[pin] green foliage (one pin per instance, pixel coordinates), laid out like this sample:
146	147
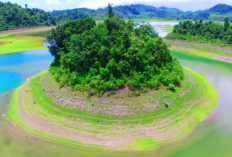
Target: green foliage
13	16
172	87
137	93
203	31
110	55
226	24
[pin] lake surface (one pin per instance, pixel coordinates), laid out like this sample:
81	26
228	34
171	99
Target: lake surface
212	138
159	27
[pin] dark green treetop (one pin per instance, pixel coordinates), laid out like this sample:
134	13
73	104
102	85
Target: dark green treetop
110	10
226	24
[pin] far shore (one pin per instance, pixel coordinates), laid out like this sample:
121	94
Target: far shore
25	29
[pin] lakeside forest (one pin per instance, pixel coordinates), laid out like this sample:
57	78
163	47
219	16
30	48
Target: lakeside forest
209	32
13	16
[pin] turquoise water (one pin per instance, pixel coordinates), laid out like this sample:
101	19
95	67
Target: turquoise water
15	68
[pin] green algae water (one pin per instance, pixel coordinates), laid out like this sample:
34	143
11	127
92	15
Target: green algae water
213	138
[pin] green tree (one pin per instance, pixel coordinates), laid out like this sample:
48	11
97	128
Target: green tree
110	10
226	24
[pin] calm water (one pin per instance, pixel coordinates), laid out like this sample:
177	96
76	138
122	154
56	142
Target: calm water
159	27
213	138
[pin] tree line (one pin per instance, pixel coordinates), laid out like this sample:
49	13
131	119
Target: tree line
203	31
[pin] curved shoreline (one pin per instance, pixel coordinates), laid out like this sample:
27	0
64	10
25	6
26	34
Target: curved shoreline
22	114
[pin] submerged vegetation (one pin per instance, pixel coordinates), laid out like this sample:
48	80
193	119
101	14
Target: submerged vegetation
203	32
110	55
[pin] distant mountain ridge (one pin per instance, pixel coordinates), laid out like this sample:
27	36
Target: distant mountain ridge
13	16
140	11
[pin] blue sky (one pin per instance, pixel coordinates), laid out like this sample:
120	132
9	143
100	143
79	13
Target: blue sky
94	4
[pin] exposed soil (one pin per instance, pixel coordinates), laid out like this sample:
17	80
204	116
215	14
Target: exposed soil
120	103
1	43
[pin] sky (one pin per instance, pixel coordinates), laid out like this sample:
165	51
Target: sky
184	5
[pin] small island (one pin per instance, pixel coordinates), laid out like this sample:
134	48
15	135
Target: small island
112	86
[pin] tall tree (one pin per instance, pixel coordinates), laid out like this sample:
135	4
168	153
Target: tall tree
110	10
226	24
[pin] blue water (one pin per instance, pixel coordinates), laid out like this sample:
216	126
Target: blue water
15	68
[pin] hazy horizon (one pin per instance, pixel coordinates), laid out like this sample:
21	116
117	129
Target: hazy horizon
185	5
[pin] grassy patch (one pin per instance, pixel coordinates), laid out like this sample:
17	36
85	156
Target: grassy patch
42	32
168	28
212	51
23	40
19	43
41	115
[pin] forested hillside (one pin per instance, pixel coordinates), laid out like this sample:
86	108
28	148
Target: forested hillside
203	32
13	16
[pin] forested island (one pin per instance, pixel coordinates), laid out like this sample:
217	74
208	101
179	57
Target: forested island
112	86
111	55
208	32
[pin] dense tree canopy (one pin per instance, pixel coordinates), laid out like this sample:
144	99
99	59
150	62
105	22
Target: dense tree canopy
13	16
112	54
203	31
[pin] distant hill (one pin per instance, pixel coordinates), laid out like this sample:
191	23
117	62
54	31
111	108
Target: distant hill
13	16
139	11
221	8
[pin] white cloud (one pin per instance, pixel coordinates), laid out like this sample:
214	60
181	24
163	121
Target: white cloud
34	4
69	1
53	2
